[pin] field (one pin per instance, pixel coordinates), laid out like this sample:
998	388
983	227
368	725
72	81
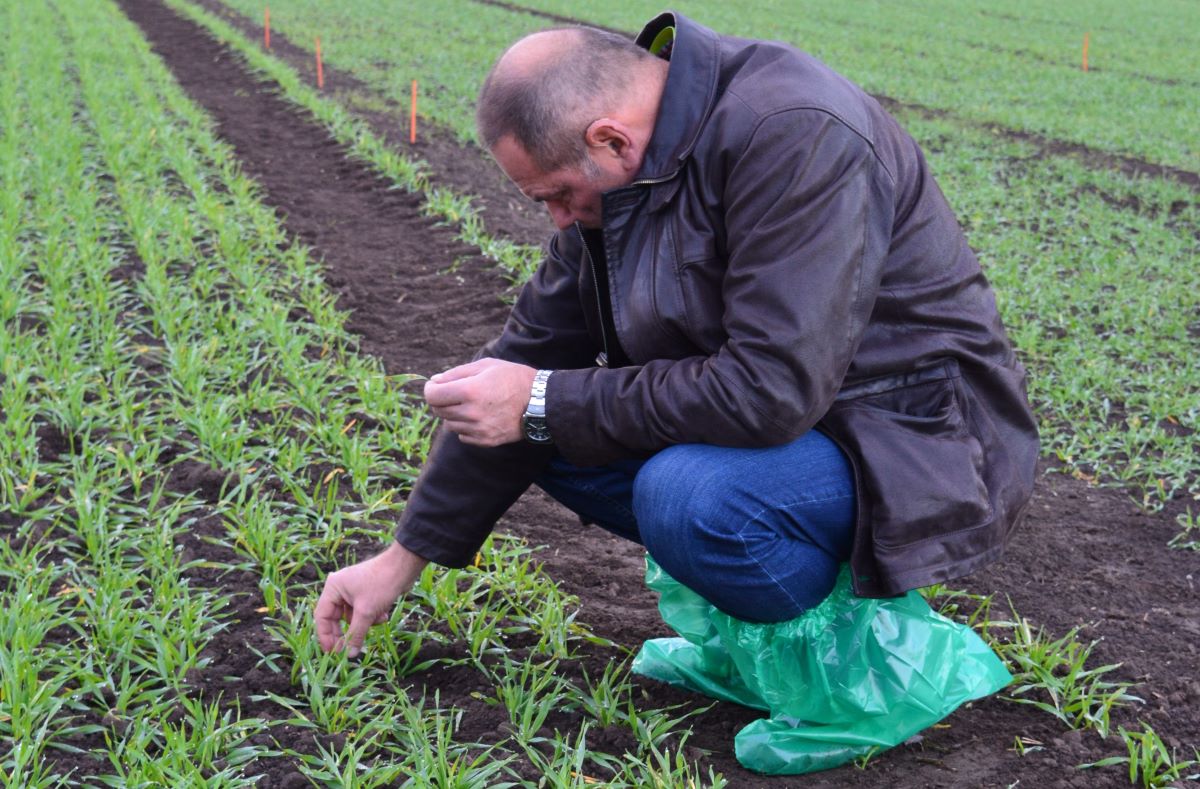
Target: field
218	281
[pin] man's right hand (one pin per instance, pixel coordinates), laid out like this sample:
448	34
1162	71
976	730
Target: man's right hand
364	594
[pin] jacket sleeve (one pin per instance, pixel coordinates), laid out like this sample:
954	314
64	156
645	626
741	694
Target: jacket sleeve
463	490
808	218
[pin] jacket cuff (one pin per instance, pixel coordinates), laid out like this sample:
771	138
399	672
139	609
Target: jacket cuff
440	549
574	438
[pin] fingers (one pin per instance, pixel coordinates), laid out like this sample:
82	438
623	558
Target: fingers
449	393
328	616
455	386
360	622
462	371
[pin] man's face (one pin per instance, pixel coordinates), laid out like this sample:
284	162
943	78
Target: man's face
570	194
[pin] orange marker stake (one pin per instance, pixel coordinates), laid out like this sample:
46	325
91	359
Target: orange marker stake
1085	49
412	119
267	27
320	70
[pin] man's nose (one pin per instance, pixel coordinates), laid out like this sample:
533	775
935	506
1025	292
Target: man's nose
559	214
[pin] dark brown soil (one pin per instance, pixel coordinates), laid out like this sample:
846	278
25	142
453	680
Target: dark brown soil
1083	556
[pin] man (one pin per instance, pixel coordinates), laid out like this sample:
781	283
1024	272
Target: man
759	343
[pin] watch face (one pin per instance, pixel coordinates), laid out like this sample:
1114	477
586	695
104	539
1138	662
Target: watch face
536	429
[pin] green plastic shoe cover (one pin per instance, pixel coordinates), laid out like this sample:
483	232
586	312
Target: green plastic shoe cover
851	675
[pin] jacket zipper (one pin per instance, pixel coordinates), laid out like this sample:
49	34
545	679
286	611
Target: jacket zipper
659	180
602	359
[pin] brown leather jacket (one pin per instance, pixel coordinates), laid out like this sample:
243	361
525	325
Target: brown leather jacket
783	262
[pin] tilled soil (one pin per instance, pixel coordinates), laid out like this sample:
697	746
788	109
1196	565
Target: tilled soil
1083	556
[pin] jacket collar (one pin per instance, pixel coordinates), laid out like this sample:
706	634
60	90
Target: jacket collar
689	95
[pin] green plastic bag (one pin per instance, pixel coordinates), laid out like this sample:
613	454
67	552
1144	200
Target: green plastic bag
850	675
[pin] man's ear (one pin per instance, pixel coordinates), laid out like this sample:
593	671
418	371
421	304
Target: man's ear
612	134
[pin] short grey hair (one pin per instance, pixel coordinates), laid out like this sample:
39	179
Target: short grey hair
547	109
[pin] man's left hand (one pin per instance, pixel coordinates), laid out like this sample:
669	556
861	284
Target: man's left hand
482	401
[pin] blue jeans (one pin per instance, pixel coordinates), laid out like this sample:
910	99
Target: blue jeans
759	533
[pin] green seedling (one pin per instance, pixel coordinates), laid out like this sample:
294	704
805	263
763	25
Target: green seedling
1053	675
1149	760
432	757
861	762
207	747
357	764
1189	538
569	763
530	692
603	700
662	769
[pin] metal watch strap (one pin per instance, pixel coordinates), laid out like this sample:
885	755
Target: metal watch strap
537	393
533	422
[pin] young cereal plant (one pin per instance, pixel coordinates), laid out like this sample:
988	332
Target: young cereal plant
569	764
603	700
653	728
1189	538
1078	696
449	205
469	604
205	748
530	692
558	629
398	643
34	696
121	695
954	604
1149	760
861	762
219	429
336	694
432	758
257	530
25	766
1023	745
662	769
354	765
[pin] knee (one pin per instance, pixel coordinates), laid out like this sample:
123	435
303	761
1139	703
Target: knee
676	495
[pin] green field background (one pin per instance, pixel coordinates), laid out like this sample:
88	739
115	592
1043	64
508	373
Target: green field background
1097	272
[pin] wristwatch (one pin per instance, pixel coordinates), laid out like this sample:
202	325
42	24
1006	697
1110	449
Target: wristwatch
534	420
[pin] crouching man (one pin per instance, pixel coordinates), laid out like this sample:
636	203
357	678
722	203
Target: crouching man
759	344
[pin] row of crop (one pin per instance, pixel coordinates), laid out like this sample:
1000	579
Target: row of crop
138	249
1054	674
955	59
974	64
516	260
153	327
98	614
1092	271
1057	676
1111	376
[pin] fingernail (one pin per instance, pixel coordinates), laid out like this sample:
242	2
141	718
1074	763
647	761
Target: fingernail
353	653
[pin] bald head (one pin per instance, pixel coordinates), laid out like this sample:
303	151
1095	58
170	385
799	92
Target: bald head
547	87
532	55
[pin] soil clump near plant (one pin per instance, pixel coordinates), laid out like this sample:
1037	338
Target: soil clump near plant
1083	555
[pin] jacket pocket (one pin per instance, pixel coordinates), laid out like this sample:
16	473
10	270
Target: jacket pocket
920	469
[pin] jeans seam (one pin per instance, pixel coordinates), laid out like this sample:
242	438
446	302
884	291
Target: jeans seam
745	546
582	485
